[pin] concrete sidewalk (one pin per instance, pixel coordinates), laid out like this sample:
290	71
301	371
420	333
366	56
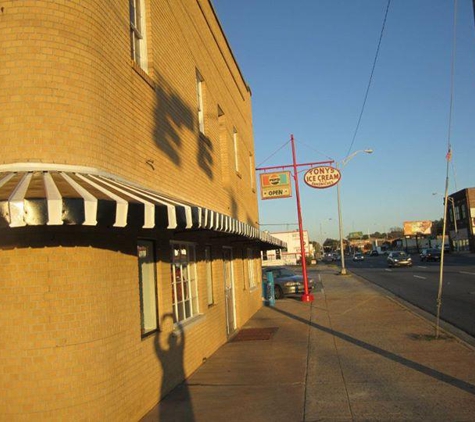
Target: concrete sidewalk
354	354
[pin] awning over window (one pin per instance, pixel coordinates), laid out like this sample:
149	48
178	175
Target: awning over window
55	197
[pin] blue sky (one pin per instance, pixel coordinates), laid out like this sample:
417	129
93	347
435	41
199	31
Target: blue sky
308	64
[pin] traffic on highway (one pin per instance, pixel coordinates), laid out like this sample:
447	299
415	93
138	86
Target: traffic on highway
419	283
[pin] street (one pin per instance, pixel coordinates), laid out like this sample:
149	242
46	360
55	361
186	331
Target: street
419	285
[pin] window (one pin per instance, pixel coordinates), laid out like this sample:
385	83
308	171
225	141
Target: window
184	283
137	33
457	213
236	150
209	275
251	268
463	212
147	286
199	94
277	254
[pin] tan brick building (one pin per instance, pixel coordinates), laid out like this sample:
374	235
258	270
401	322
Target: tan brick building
128	244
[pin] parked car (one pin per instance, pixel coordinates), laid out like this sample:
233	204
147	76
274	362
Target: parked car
399	259
358	256
430	255
287	282
374	252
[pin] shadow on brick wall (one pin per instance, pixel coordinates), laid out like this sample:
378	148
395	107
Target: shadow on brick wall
174	118
170	353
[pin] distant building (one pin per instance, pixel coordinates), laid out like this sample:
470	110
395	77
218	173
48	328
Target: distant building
292	254
461	219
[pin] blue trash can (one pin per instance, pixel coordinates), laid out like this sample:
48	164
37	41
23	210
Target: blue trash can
268	289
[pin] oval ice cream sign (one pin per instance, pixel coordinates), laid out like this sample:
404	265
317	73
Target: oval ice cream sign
322	177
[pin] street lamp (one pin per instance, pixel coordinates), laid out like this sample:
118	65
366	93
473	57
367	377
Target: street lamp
342	164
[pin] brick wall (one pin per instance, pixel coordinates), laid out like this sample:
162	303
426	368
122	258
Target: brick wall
70	324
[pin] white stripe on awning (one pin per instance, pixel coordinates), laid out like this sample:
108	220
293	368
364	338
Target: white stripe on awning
90	201
54	201
149	208
121	204
16	204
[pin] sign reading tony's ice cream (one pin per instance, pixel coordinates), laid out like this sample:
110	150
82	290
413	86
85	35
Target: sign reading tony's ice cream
322	177
276	185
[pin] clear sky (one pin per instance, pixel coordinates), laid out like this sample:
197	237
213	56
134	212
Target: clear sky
308	63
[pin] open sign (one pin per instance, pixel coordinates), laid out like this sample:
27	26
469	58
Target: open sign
322	177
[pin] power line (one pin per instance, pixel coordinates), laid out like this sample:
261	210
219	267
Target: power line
316	150
268	158
370	79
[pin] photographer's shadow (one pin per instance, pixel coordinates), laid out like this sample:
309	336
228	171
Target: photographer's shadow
176	405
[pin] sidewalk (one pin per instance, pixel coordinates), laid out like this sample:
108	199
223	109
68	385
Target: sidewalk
354	354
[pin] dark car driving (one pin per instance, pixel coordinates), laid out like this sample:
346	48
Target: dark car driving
399	259
430	255
286	281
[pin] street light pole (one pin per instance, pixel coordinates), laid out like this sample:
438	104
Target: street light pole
340	228
344	162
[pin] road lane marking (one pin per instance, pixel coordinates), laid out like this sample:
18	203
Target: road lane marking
387	269
420	266
418	276
466	272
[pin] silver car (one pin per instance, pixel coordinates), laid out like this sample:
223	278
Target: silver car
286	282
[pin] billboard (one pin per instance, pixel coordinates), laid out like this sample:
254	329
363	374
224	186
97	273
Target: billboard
276	185
413	228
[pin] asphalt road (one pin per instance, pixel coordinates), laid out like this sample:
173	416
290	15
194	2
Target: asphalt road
419	285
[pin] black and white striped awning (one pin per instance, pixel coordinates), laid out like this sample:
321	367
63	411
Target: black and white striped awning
57	197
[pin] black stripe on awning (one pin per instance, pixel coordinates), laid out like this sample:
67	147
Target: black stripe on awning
35	198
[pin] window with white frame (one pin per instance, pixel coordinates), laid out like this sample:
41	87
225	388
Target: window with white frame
147	286
199	94
184	281
137	33
251	263
236	149
209	275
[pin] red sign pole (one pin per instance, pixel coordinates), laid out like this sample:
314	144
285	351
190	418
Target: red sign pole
306	297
